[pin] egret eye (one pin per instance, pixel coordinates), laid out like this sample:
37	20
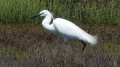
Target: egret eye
42	13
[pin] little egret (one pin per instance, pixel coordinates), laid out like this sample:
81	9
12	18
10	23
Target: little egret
65	29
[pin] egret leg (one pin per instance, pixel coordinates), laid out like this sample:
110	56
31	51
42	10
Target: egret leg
83	46
65	40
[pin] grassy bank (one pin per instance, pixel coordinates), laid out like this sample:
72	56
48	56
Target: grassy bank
27	46
82	11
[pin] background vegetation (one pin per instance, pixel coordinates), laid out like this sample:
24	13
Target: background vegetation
24	43
81	11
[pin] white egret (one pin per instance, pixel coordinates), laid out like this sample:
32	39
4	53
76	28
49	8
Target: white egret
65	29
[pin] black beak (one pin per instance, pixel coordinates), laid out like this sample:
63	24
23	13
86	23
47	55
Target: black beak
35	16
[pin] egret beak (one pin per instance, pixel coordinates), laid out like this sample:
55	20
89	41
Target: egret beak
35	16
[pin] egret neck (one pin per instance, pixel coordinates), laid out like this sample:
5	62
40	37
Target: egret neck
46	23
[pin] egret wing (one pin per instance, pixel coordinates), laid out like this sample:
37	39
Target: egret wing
68	29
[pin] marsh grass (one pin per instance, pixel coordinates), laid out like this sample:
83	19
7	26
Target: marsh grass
82	11
29	45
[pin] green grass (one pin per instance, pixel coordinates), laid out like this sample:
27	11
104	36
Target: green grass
82	11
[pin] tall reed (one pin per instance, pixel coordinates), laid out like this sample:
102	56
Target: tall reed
82	11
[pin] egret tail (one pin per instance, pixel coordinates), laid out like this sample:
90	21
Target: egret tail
93	40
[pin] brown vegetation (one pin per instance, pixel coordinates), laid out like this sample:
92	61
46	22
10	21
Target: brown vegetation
32	46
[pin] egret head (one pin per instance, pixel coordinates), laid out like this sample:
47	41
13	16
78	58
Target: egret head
42	13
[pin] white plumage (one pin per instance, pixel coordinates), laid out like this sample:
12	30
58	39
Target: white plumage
66	29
